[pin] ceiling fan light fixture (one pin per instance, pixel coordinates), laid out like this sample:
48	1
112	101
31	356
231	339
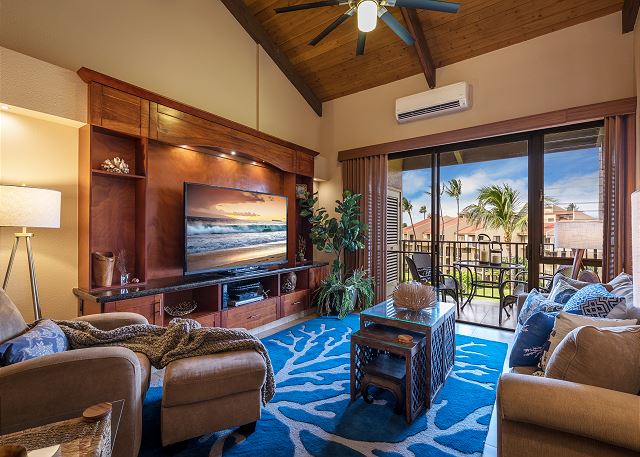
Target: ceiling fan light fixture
367	15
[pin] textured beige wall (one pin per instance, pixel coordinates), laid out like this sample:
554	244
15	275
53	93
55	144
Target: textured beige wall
587	63
191	50
43	153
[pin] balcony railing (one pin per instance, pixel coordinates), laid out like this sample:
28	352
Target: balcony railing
454	251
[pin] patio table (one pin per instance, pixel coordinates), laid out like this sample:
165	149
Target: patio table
474	265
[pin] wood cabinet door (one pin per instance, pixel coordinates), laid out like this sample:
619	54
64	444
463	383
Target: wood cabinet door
149	306
116	110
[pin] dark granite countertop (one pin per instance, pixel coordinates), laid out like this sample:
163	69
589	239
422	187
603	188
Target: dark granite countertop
178	283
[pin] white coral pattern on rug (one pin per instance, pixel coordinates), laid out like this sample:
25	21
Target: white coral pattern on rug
294	369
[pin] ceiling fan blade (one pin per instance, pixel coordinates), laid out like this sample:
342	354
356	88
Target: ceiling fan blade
332	27
362	39
433	5
306	6
394	25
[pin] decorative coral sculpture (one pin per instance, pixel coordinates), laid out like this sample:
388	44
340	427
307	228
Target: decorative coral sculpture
115	165
414	296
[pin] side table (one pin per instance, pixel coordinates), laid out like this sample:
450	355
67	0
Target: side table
379	359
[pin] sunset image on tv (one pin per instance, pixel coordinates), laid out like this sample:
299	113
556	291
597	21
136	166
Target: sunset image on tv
228	228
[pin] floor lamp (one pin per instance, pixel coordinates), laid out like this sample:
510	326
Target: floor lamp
22	206
578	235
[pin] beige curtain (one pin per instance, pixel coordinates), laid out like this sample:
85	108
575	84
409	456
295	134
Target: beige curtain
619	182
368	176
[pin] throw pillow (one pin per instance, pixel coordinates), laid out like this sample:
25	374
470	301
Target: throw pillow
594	300
622	286
536	302
602	357
565	322
42	339
562	291
529	342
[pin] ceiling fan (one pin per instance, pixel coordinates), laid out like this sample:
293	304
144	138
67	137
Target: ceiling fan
368	12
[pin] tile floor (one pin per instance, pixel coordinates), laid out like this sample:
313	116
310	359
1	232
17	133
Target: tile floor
486	312
504	336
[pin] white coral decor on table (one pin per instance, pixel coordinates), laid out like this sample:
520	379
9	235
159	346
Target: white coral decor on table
414	295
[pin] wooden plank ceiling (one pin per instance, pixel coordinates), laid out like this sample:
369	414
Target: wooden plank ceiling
331	68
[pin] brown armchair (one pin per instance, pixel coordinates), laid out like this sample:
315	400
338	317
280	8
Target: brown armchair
60	386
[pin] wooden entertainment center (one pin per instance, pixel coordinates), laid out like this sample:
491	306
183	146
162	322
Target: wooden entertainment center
166	143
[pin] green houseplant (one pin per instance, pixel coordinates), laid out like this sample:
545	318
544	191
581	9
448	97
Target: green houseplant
340	292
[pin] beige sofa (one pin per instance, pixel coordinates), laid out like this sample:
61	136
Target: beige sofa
60	386
540	416
200	395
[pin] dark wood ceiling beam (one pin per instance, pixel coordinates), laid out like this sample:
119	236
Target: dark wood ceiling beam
253	27
629	14
424	56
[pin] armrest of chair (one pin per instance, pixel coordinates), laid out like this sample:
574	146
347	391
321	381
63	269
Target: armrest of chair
60	386
593	412
110	321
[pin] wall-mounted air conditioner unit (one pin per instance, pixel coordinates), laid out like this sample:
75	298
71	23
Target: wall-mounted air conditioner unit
434	102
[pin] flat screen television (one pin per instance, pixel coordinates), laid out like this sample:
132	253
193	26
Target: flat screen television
227	229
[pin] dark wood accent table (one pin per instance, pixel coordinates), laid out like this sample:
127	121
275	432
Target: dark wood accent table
379	359
437	324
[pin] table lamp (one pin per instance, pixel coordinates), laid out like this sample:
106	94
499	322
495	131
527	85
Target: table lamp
22	206
578	235
635	245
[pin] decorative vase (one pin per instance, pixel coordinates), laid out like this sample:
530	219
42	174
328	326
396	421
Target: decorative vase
102	264
289	282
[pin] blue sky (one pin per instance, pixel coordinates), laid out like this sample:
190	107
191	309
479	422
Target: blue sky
570	177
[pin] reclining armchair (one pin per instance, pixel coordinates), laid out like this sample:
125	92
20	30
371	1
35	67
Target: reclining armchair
60	386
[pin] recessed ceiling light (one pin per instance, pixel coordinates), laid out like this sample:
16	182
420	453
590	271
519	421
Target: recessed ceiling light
4	107
254	163
233	153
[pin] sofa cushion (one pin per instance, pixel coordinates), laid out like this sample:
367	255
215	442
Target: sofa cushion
206	377
593	300
566	322
562	291
11	322
602	357
145	373
43	339
622	286
536	302
530	340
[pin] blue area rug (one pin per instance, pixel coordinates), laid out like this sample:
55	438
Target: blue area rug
311	414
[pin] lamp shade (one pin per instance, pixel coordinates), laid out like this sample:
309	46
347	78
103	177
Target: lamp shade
581	234
635	245
29	207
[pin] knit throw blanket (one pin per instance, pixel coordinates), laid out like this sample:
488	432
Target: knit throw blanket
182	338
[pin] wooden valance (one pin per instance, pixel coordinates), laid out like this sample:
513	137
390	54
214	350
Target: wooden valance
523	124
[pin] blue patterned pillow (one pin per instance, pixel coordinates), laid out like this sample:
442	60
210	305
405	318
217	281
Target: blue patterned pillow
43	339
562	291
530	342
536	302
594	301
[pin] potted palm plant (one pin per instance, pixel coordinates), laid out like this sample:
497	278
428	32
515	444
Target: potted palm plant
340	293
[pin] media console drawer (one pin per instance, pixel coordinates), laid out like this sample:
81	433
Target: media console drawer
252	315
295	302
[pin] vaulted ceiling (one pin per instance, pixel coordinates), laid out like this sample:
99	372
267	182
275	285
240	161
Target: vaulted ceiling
331	68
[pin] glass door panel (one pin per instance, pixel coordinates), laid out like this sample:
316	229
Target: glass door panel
572	192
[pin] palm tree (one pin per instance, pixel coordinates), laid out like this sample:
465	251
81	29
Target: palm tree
499	207
454	190
407	207
572	207
440	217
423	211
